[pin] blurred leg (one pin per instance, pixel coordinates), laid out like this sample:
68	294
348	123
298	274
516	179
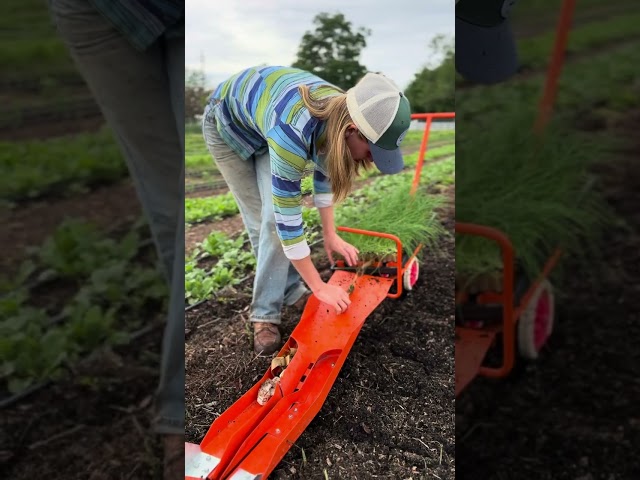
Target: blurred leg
141	95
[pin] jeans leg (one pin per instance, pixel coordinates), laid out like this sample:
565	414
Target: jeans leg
170	404
275	274
250	183
134	93
240	176
132	90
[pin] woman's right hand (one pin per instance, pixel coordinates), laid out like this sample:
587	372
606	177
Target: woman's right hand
334	296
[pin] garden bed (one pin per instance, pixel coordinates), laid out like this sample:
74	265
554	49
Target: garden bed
389	412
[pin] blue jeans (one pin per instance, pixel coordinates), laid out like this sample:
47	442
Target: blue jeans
141	95
277	282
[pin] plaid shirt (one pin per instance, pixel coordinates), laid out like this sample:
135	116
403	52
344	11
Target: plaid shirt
142	22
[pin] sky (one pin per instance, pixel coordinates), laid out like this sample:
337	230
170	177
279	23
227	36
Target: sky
235	34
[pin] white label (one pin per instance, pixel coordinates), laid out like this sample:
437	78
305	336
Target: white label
401	137
507	5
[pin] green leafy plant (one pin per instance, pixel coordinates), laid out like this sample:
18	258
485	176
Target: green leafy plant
210	208
78	248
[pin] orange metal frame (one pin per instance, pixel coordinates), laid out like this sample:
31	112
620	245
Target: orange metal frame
400	268
425	139
510	312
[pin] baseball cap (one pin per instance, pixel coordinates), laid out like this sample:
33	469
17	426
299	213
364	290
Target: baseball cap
382	114
485	48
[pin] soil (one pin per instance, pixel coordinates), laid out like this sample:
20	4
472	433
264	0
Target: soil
29	224
95	426
390	411
573	414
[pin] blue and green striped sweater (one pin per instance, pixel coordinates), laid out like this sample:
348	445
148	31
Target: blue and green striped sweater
260	110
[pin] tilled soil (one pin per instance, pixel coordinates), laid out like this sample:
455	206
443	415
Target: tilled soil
574	413
95	425
390	413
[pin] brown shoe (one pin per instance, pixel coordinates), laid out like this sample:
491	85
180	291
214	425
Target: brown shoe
173	457
266	338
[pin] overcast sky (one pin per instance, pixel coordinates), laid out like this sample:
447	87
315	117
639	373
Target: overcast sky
235	34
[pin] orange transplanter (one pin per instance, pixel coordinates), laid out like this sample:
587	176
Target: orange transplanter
248	440
507	311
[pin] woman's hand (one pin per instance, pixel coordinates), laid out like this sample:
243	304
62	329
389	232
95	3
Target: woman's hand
334	244
334	296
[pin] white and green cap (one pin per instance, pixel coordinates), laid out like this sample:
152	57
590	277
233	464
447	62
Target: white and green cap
382	114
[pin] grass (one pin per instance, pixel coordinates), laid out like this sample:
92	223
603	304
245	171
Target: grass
387	206
532	191
535	52
610	80
210	208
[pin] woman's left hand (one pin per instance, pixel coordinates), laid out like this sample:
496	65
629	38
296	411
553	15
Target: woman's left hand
334	244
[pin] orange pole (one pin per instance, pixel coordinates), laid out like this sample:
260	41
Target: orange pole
555	67
425	139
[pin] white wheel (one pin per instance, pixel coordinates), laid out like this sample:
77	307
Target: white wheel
410	275
536	322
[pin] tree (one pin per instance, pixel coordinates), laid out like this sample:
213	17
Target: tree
195	93
332	51
433	87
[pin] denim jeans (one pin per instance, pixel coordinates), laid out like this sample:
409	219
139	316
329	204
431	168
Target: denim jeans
141	95
276	282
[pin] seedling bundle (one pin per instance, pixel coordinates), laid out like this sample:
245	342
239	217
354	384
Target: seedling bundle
412	218
534	189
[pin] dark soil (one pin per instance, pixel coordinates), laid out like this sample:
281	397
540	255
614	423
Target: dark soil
95	426
390	411
29	224
574	413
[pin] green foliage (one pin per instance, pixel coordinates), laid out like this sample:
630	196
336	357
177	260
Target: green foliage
210	208
535	52
332	50
433	89
219	262
307	185
77	248
41	167
232	258
386	206
114	297
610	80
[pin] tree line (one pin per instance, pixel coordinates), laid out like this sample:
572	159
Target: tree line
332	51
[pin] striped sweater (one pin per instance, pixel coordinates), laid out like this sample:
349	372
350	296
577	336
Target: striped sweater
260	110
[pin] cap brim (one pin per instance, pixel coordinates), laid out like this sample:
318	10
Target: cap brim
387	161
485	54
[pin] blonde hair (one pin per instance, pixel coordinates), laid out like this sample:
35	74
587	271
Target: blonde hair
341	166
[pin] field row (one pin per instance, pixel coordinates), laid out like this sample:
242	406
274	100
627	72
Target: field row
80	290
219	261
